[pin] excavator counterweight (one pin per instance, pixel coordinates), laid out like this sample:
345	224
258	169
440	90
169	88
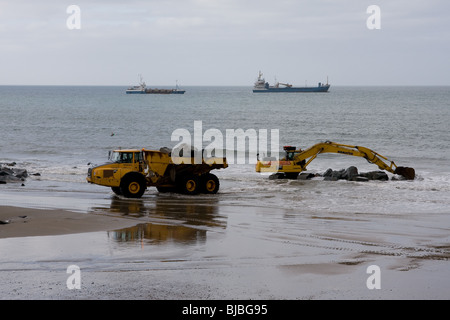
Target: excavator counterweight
296	161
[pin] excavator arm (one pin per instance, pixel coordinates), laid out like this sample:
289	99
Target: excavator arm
296	161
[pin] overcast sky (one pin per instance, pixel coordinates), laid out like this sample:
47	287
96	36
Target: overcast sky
225	42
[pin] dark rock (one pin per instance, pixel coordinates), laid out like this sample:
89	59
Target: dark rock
349	173
331	175
359	178
305	176
9	178
6	171
328	173
12	175
20	173
337	175
380	175
375	175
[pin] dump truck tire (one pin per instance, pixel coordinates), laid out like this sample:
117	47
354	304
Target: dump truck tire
117	190
210	183
188	185
133	186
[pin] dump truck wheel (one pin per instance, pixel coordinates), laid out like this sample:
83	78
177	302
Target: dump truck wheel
117	190
133	186
210	183
189	185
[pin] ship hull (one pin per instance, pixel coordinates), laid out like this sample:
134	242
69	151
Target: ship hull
293	89
134	92
156	91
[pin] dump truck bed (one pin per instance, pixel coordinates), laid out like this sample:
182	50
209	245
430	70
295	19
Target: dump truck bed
164	170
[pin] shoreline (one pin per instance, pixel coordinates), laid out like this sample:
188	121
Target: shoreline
30	222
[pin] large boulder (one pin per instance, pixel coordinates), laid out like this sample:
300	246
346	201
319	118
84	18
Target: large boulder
12	174
332	175
375	175
349	173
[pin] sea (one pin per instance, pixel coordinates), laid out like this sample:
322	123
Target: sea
253	223
59	131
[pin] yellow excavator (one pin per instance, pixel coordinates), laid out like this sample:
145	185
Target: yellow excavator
296	160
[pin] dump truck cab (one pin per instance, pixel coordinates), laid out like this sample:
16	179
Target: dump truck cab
125	156
130	159
121	163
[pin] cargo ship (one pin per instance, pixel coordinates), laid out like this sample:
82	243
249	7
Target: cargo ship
142	89
262	86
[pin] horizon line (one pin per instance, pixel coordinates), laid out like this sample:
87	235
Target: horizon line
220	85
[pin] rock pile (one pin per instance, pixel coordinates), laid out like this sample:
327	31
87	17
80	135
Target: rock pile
352	174
9	174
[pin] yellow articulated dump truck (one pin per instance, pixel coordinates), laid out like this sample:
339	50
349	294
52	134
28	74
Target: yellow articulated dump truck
130	172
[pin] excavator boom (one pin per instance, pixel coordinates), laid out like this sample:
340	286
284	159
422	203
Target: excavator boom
296	161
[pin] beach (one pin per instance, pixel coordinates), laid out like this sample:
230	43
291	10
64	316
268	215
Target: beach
26	222
202	251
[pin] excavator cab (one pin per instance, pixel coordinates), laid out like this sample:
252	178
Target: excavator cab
291	155
290	152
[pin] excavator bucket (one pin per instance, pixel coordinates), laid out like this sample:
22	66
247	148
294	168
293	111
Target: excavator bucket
406	172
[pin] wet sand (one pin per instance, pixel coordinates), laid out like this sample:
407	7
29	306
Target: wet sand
28	222
203	251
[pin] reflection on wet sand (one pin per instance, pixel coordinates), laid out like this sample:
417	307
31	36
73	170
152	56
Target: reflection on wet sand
194	211
173	218
126	207
155	234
